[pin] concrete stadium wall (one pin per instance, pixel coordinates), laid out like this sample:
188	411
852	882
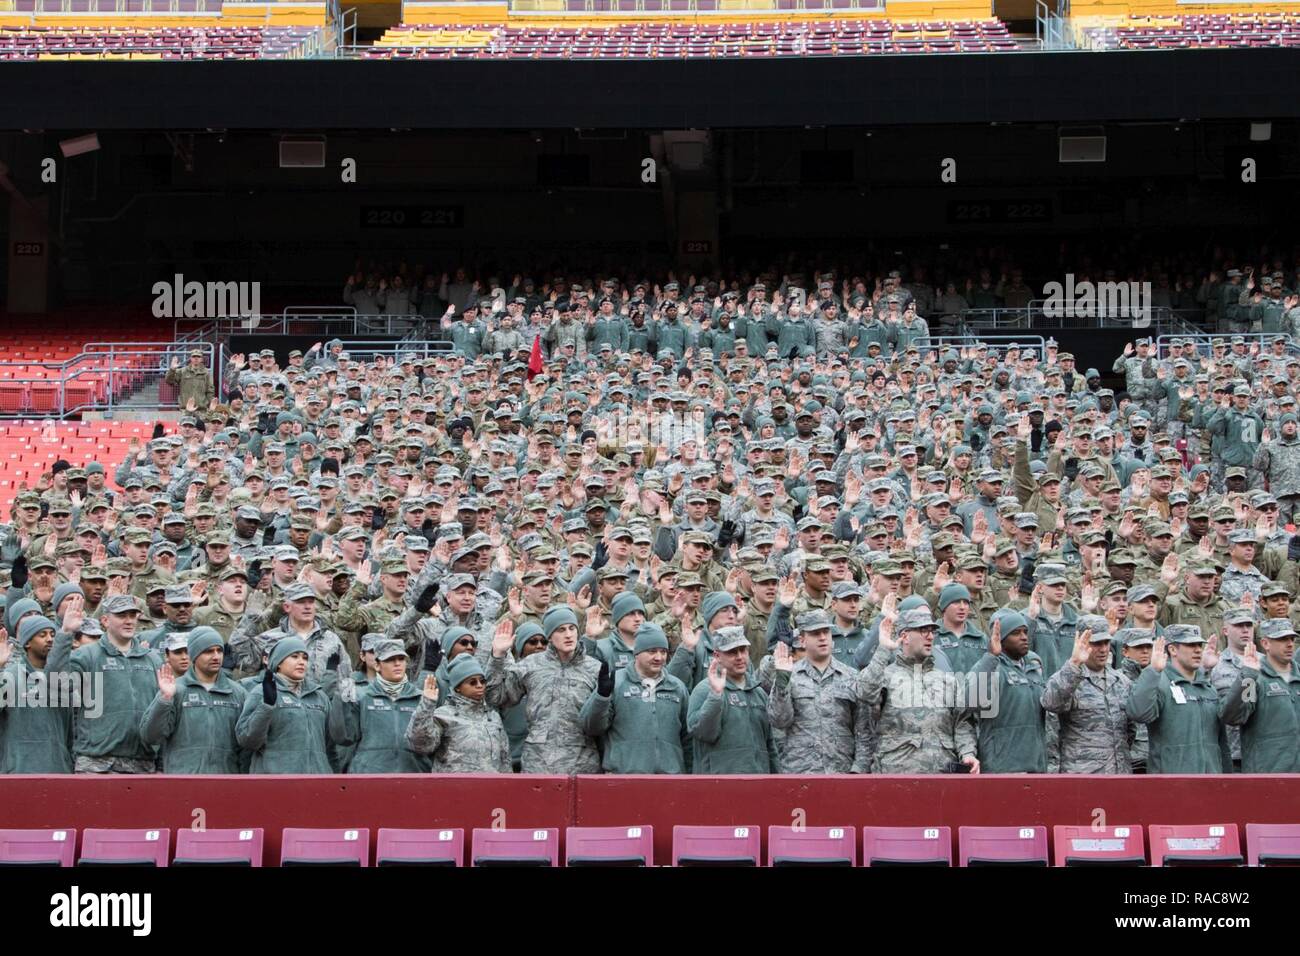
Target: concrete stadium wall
662	802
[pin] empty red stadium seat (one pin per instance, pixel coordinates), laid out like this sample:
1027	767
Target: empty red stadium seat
812	846
1098	846
304	846
401	847
906	846
516	847
716	846
124	847
37	847
1003	846
1200	845
609	846
1273	844
218	847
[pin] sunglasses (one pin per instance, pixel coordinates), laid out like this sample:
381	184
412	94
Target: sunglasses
535	642
475	682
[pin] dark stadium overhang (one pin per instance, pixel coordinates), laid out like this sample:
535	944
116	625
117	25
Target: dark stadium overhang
1072	87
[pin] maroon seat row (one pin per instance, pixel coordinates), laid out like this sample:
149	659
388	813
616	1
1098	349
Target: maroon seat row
715	846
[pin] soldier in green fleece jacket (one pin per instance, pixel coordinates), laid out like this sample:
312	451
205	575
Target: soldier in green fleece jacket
727	716
34	739
192	717
109	741
1265	702
375	717
286	725
1180	707
640	711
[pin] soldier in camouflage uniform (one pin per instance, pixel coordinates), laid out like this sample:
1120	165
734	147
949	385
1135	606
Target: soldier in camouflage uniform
1089	697
922	721
461	732
557	683
815	703
1238	629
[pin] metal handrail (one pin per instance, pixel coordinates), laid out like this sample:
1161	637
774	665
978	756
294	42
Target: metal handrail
100	359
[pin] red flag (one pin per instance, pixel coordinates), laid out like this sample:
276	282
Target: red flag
535	358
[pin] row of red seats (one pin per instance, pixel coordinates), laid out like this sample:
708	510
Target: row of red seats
900	47
1204	845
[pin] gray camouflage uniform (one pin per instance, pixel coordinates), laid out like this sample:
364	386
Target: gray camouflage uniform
464	736
556	692
1096	732
827	730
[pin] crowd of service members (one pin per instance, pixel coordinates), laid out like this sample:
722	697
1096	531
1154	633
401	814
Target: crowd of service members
788	546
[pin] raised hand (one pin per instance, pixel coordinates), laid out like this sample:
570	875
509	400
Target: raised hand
1158	656
1169	569
74	616
1035	601
1089	597
269	690
1082	648
717	676
1211	655
690	636
788	592
166	682
503	639
942	576
783	661
1249	656
995	639
432	654
604	680
595	622
430	688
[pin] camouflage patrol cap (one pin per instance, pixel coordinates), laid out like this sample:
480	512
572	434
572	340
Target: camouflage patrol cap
120	604
299	591
581	549
971	562
1050	574
1235	473
763	575
1093	538
1239	615
1272	589
943	540
39	562
1142	592
179	594
228	572
1136	636
453	582
1183	634
814	620
687	579
138	536
697	537
70	547
1202	569
1003	546
388	649
916	619
1156	528
1114	587
816	563
887	567
1099	626
118	567
1277	629
1241	536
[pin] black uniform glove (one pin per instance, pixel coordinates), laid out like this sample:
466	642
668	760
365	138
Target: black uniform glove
332	663
976	442
1071	468
604	680
1292	552
726	535
1026	584
424	603
19	573
269	690
432	654
254	573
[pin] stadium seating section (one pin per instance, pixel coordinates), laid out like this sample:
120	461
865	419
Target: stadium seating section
142	43
1143	32
35	366
644	40
29	448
